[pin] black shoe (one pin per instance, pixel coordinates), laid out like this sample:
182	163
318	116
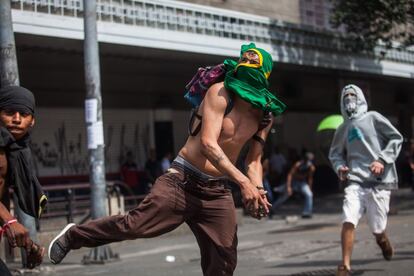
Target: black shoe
343	271
386	247
306	216
59	247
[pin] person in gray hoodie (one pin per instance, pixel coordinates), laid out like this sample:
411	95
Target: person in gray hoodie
363	153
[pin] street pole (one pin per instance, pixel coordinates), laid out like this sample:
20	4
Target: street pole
8	61
9	75
93	115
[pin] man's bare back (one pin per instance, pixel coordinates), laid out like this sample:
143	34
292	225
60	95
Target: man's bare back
236	128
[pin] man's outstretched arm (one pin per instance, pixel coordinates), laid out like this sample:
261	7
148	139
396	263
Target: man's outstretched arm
312	170
337	153
393	139
289	177
254	167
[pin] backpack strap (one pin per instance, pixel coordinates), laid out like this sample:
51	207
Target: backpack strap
229	107
193	116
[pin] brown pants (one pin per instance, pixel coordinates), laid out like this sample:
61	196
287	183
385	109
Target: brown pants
176	197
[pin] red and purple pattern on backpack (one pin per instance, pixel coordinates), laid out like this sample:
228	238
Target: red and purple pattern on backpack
204	78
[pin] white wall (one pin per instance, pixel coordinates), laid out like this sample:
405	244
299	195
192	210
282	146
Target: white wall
59	141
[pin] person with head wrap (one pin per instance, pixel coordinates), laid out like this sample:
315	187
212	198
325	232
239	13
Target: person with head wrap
16	119
248	79
363	153
194	189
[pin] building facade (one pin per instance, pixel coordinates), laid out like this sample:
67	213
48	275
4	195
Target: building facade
150	49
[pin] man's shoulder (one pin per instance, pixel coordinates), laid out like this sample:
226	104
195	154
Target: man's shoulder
218	93
217	85
218	89
342	127
376	116
372	113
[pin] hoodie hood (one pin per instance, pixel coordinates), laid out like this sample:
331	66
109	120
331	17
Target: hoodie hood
362	106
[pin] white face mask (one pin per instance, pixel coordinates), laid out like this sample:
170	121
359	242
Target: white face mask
350	103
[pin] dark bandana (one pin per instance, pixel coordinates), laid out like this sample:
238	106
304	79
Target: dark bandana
21	175
17	98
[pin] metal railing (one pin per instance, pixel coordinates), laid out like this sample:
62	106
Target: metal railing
73	200
203	20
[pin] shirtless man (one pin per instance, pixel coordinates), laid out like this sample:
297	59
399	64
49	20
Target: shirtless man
194	190
16	119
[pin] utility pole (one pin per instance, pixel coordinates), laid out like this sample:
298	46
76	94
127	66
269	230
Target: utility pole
8	61
9	75
95	136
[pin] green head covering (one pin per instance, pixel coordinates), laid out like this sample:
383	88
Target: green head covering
249	81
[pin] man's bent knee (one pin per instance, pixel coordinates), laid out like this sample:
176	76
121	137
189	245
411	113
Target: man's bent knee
348	225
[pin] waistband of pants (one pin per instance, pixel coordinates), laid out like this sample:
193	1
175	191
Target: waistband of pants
194	174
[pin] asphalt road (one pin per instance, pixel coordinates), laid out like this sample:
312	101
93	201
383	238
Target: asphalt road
267	247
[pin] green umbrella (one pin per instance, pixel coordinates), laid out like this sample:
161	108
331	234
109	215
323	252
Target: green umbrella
331	122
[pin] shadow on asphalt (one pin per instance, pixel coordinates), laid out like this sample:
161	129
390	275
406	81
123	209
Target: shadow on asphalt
401	245
334	263
307	227
325	272
404	253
